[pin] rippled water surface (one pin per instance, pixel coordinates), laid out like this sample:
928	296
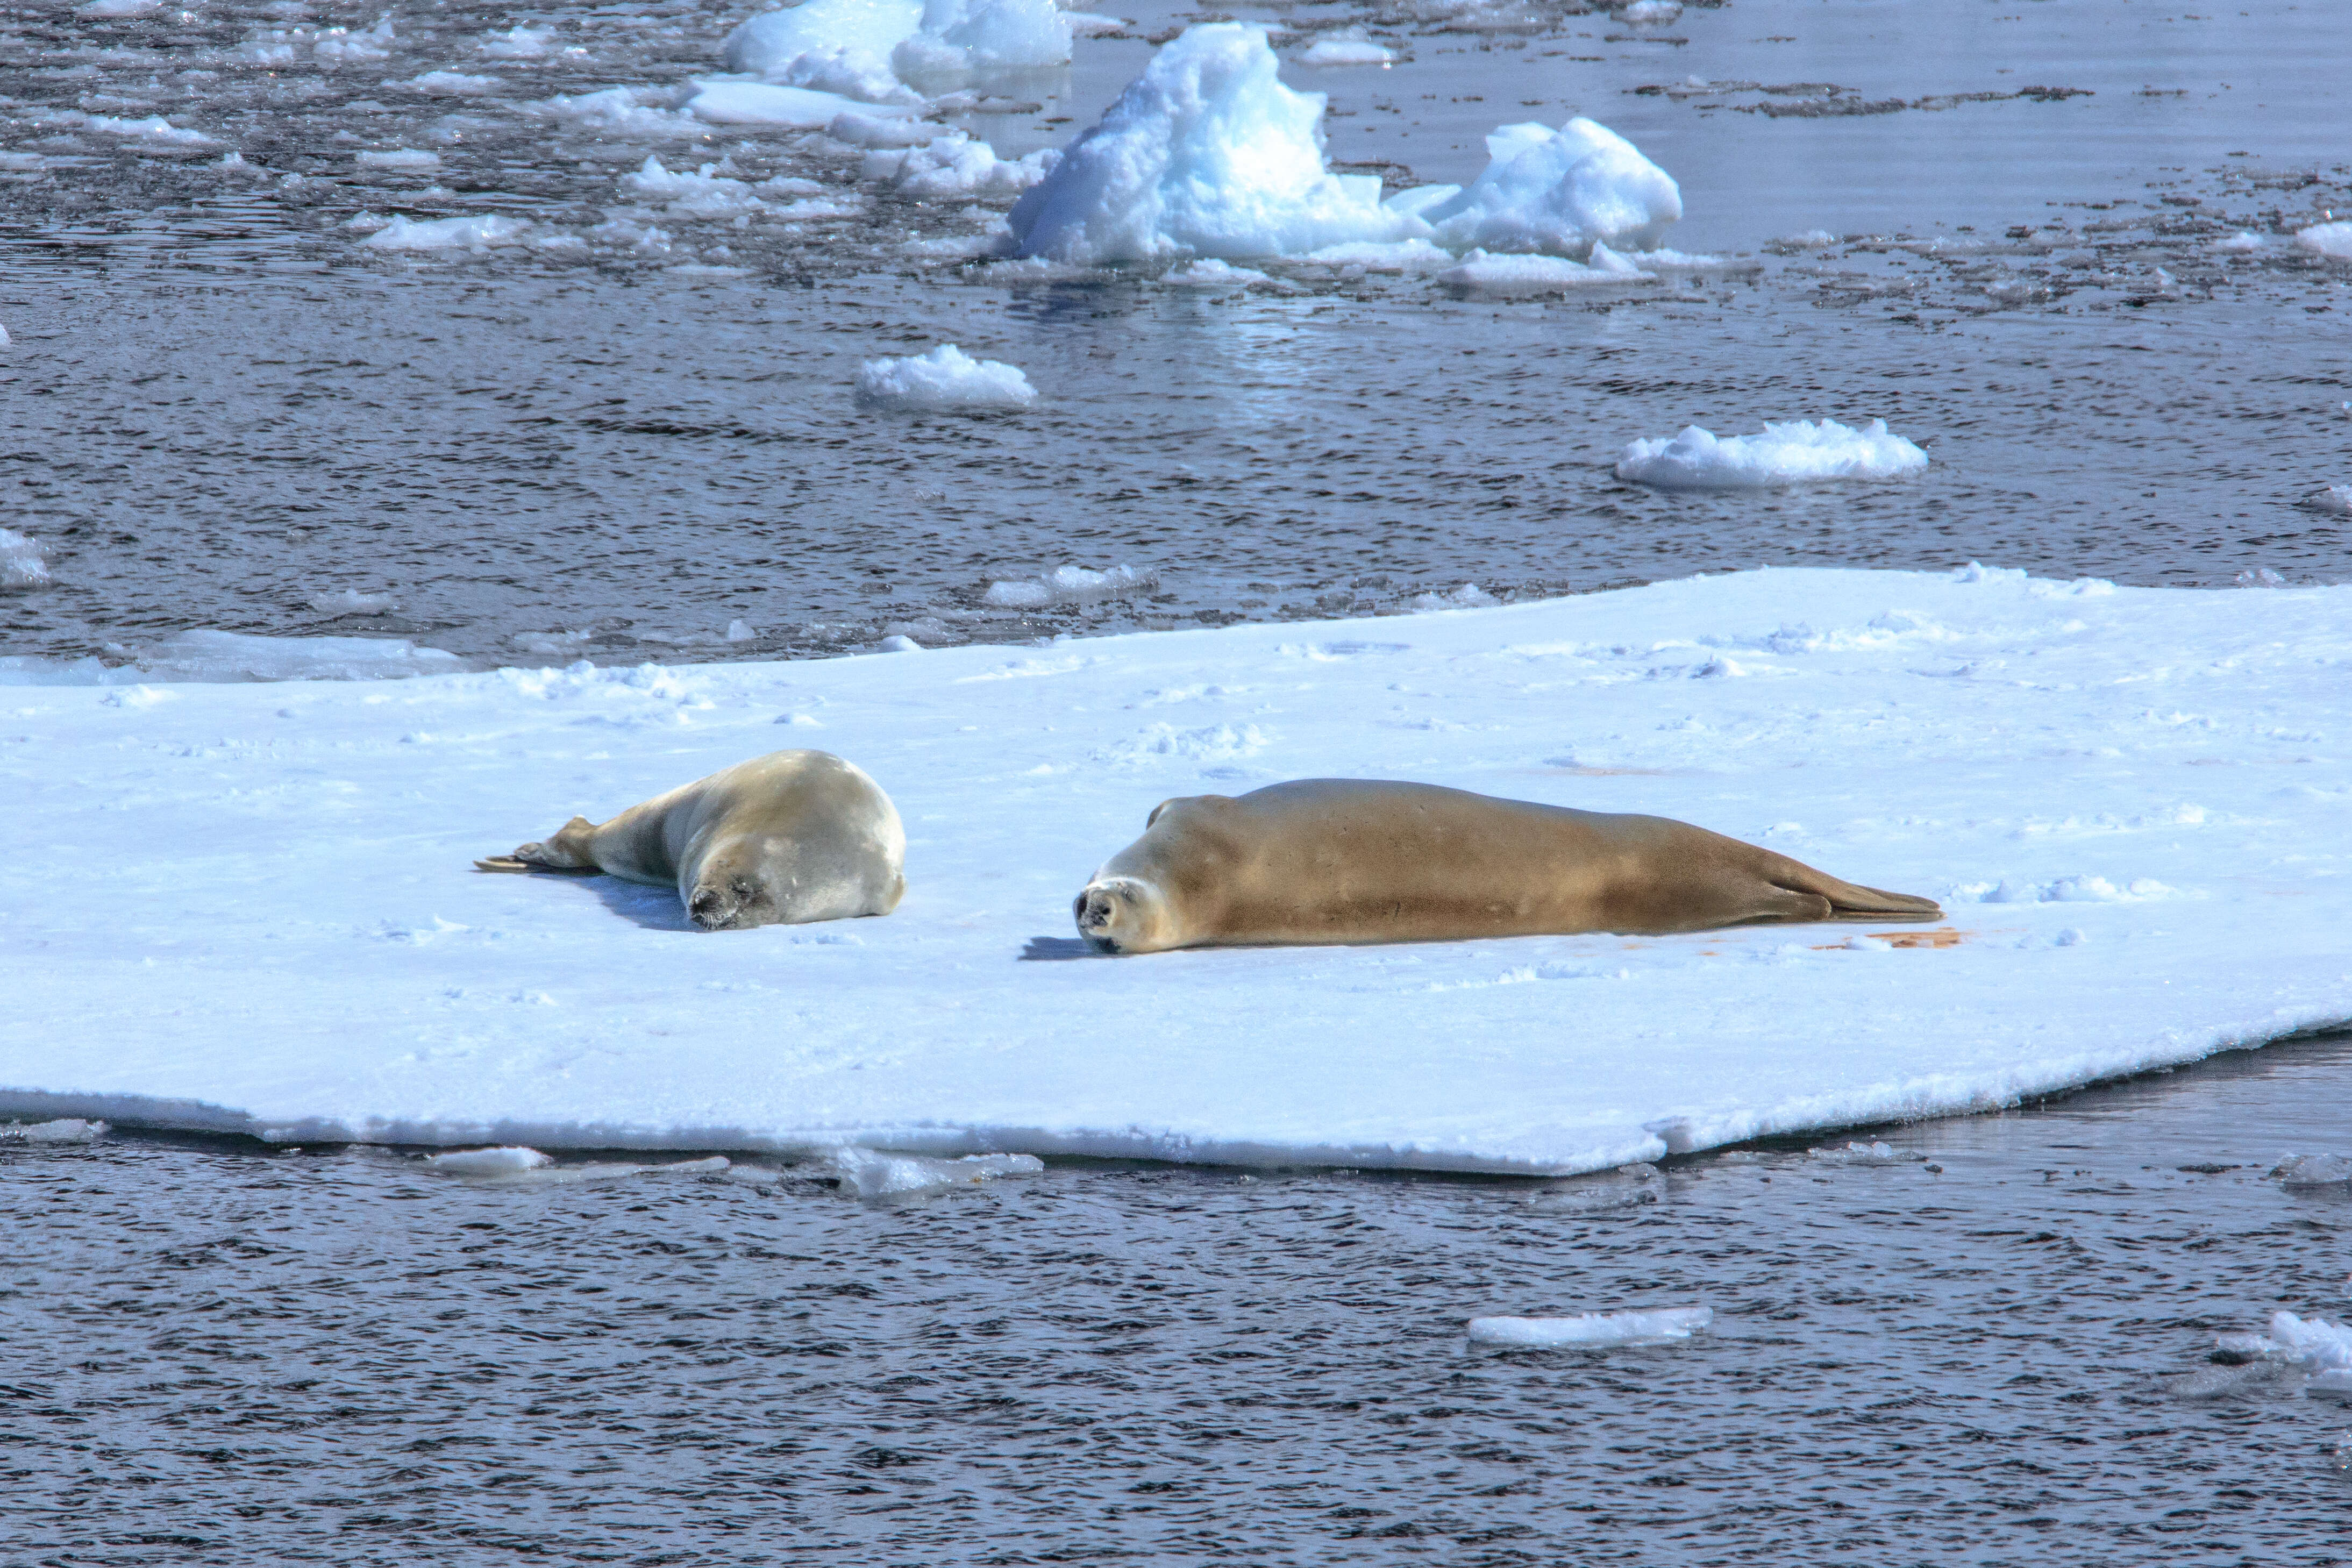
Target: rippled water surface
2003	1354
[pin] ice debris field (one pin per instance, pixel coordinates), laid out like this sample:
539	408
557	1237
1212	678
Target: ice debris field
250	906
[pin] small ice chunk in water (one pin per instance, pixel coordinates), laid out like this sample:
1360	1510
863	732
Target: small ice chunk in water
742	631
2334	498
1068	585
351	602
1469	596
1784	454
872	1174
503	1161
1491	274
1348	48
1208	272
955	165
1556	192
65	1130
947	378
520	42
471	234
21	565
2314	1170
963	42
2333	240
408	158
1872	1153
1660	1326
2244	239
450	84
1650	13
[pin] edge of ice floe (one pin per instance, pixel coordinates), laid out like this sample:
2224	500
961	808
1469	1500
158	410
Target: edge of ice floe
1921	1098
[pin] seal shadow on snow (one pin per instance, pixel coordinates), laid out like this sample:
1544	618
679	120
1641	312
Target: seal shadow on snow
1058	949
655	909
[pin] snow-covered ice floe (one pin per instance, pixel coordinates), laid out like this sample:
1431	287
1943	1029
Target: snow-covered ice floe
1208	153
1592	1330
946	380
298	949
1798	452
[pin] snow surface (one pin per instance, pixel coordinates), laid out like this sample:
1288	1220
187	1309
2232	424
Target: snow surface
1788	454
21	562
946	379
2331	240
293	942
1600	1331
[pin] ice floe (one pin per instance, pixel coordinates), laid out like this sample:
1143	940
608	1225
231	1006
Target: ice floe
1070	584
1876	1153
63	1130
1594	1331
2321	1349
2329	239
21	564
405	160
1797	452
946	379
351	602
875	1175
1918	731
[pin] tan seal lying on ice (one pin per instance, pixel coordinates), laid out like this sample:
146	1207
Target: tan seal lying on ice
782	840
1343	860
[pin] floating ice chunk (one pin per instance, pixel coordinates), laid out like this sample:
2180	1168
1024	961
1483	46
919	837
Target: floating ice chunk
351	602
1811	239
1069	586
2335	499
520	42
1650	13
763	103
2243	240
1792	453
870	129
503	1161
947	378
1599	1330
1469	596
2318	1346
1094	24
1208	272
705	194
153	128
1489	273
954	166
1556	192
742	631
1872	1153
962	42
450	84
2314	1170
1395	256
1349	47
839	45
1205	153
403	158
872	1174
109	8
472	234
2329	239
21	565
66	1129
621	112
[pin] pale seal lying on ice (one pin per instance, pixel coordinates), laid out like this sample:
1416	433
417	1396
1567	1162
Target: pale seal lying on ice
782	840
1343	860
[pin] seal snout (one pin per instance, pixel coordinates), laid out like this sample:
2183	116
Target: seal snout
741	903
1097	910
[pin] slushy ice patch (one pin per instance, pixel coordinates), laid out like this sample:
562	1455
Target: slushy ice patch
946	379
1208	153
214	657
1794	453
1592	1330
21	565
1069	586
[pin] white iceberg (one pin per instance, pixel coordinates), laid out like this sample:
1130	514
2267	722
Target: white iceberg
947	379
1555	192
21	563
1205	153
1787	454
2329	239
962	42
1598	1331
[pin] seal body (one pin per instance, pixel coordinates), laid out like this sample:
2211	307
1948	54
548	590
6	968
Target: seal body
782	840
1345	860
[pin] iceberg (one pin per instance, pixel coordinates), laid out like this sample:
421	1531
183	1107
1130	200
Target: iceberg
1205	153
1786	454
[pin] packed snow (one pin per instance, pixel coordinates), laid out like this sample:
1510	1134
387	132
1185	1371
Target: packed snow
21	564
947	379
2329	239
1592	1330
298	947
1208	153
1798	452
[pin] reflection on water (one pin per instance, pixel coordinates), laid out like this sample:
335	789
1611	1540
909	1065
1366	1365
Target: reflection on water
2003	1352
